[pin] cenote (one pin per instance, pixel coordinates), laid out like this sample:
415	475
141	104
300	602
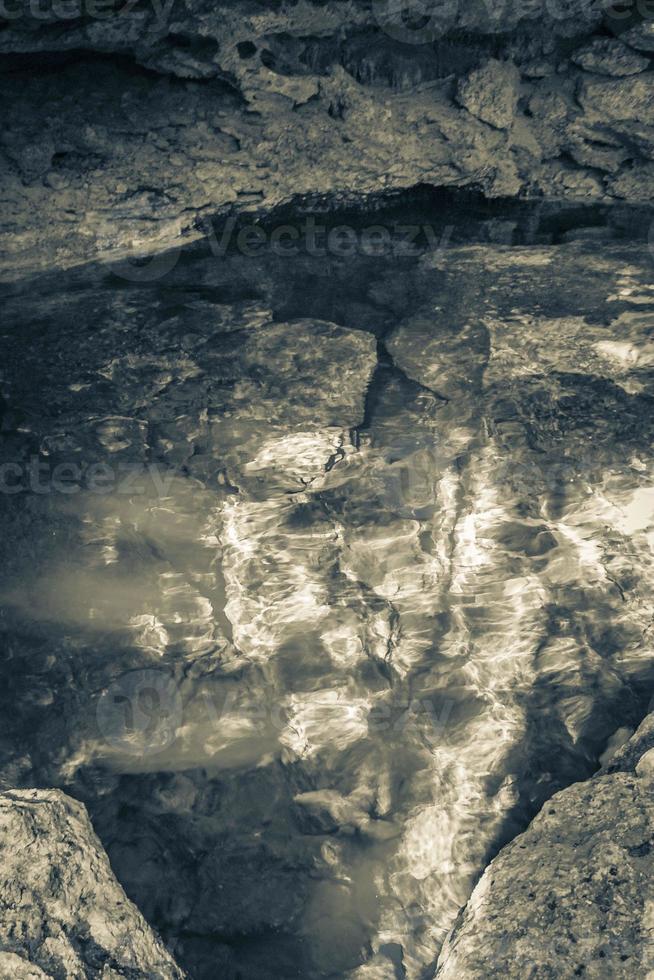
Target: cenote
321	573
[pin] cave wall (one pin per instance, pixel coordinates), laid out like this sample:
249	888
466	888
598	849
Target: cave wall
125	126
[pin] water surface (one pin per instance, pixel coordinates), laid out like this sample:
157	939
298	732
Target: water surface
320	574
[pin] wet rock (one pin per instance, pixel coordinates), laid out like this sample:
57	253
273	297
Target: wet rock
301	387
491	93
572	896
63	912
608	56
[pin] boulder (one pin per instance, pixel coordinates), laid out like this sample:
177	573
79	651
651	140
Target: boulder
608	56
62	912
573	895
491	93
640	36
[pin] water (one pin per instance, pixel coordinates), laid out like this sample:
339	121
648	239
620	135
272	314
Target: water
320	575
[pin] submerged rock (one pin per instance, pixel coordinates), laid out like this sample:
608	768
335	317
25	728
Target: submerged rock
63	914
389	646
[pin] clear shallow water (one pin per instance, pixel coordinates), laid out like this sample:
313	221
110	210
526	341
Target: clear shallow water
323	609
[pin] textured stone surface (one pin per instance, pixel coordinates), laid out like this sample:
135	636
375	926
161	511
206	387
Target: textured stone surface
608	56
640	36
399	590
62	912
573	895
491	93
240	108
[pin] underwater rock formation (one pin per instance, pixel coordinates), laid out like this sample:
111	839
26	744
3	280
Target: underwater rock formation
377	541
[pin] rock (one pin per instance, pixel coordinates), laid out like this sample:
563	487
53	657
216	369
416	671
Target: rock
645	765
330	811
572	896
301	388
637	182
619	738
491	93
618	99
56	180
590	154
608	56
640	36
537	68
13	967
241	112
63	914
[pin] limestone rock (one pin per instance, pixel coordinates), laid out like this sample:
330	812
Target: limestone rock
491	93
63	914
618	99
301	386
640	36
608	56
572	896
245	109
638	182
13	967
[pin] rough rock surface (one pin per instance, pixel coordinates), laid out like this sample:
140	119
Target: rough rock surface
125	131
608	56
62	912
491	93
574	895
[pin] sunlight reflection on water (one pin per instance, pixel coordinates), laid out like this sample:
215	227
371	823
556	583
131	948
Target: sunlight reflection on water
405	619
